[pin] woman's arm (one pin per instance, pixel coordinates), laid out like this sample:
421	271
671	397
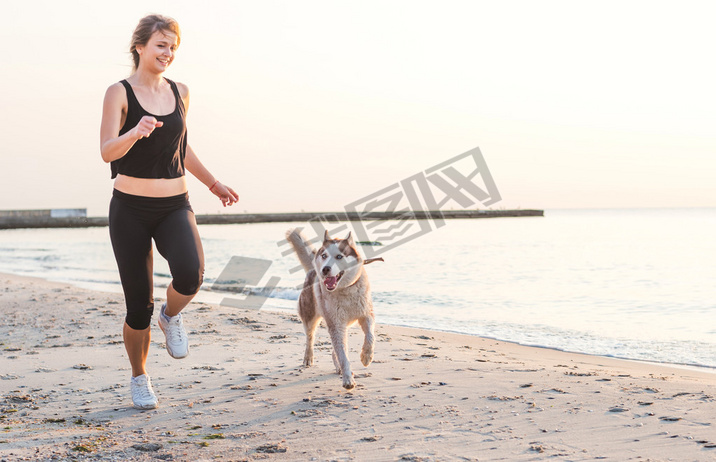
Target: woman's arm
113	146
192	163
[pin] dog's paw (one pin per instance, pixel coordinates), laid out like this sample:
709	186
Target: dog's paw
366	356
349	383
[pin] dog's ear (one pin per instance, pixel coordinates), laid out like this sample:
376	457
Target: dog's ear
350	240
326	237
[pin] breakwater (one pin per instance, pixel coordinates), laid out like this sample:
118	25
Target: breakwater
77	218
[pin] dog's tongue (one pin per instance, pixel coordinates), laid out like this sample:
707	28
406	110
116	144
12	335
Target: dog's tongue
331	282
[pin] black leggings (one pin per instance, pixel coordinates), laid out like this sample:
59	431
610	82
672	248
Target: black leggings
133	222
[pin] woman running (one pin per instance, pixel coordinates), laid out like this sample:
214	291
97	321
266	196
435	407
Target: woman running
143	135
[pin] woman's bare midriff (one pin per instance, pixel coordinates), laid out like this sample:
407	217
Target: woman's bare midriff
150	187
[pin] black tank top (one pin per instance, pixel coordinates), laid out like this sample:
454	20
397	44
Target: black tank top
161	155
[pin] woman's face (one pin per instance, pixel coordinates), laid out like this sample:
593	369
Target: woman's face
159	51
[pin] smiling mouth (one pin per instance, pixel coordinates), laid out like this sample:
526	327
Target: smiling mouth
331	282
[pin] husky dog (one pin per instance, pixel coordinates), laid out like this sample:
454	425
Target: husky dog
336	289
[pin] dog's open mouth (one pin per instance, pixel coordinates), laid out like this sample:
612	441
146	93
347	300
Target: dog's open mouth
331	282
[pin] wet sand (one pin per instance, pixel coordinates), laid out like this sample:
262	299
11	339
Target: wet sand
243	395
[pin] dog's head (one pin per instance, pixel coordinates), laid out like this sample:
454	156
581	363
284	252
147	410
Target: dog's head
338	263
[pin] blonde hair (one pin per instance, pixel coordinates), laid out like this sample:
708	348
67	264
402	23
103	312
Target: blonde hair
147	26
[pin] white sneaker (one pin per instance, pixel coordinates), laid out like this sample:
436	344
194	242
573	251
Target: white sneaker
142	394
176	339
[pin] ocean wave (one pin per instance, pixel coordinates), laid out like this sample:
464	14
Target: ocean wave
285	293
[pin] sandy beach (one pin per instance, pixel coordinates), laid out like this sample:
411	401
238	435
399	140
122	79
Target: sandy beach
242	394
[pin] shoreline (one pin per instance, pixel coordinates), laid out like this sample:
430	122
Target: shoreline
242	394
214	298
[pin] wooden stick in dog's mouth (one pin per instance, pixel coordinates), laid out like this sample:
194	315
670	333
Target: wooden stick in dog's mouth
371	260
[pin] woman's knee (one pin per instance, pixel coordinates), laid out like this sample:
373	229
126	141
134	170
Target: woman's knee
139	319
187	281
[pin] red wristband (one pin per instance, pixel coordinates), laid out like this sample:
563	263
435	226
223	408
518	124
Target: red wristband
212	186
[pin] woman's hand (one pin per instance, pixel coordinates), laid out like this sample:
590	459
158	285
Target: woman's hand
146	126
227	195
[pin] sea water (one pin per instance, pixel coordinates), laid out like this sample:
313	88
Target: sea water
635	284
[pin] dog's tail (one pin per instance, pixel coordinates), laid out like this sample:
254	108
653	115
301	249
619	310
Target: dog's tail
303	249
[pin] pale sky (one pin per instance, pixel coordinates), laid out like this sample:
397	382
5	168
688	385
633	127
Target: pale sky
311	105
